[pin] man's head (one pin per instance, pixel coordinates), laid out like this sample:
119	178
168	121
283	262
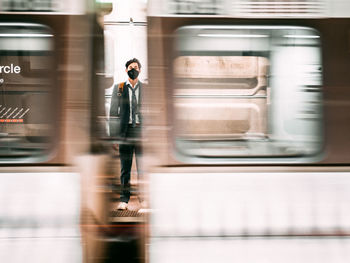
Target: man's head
133	68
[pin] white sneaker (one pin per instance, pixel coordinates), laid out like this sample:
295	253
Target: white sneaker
122	206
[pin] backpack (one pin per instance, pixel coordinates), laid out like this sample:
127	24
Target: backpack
114	118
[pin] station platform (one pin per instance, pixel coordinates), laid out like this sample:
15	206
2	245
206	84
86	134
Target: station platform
132	215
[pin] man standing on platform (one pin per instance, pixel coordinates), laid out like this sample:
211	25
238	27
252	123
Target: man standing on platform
126	104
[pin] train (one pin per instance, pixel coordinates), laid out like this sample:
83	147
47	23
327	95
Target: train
245	148
248	156
48	115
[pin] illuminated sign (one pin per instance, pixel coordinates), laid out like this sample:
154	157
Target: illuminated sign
28	5
10	69
202	7
40	6
251	8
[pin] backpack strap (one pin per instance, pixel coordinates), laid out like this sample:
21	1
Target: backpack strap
120	88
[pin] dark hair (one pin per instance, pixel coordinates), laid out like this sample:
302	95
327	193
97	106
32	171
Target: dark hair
134	60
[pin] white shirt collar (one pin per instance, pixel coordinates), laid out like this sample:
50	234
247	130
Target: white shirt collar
128	83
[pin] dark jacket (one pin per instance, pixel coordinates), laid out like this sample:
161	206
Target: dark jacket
120	109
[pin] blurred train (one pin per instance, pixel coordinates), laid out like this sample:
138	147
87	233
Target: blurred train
245	131
247	147
52	79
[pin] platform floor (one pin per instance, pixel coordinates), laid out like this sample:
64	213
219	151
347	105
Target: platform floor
131	214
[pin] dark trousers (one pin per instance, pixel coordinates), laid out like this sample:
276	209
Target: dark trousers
127	149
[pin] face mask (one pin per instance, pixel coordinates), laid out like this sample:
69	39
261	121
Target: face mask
133	73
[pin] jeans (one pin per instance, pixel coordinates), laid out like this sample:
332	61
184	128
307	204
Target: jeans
126	150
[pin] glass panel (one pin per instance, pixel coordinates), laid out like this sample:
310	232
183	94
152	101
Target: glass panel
247	92
27	102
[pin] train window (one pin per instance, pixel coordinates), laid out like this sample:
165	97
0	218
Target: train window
27	99
247	92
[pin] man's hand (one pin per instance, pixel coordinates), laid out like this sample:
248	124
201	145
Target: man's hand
115	147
